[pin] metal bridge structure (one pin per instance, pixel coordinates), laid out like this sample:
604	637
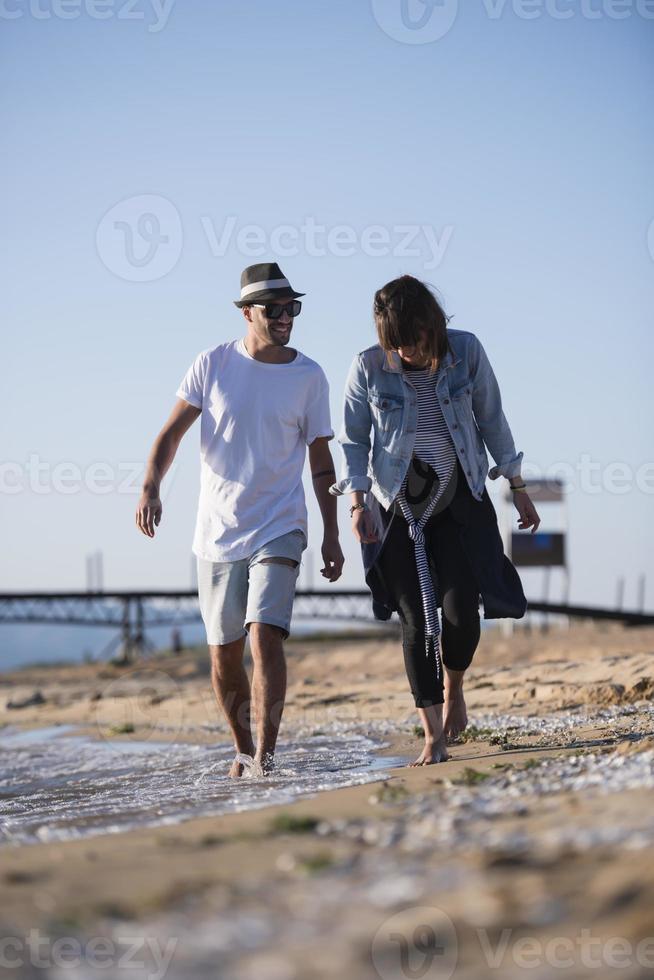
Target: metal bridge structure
132	613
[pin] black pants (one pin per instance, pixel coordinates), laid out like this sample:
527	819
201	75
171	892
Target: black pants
457	592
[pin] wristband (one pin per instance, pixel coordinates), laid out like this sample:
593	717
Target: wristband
357	507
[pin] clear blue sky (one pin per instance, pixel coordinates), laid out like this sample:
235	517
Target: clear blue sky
524	146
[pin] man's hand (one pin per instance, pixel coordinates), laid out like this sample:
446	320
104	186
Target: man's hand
322	474
148	513
528	513
332	557
363	527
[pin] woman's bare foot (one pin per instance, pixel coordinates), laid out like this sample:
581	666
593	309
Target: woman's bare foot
435	744
456	715
432	752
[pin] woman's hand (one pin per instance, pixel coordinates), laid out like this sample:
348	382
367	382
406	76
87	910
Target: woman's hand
363	527
528	513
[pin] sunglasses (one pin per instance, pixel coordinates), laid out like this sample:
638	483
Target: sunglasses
275	310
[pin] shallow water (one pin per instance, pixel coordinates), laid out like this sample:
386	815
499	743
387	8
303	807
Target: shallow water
56	785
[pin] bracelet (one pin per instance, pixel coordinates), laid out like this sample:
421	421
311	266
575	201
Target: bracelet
357	507
522	488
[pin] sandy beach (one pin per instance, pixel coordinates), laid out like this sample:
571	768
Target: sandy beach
526	853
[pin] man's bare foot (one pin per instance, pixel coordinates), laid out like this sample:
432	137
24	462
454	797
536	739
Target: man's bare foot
456	715
434	751
265	762
242	761
236	770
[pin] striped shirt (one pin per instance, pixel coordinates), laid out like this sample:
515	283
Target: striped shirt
435	461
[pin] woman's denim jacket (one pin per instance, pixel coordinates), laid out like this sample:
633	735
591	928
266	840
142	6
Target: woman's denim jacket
378	397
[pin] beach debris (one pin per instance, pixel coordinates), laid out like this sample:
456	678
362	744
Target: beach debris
644	688
312	864
286	862
473	733
289	823
471	776
126	728
30	701
388	793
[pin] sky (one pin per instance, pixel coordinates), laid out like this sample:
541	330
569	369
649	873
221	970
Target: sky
501	151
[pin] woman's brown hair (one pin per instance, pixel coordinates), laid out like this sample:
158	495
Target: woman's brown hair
404	309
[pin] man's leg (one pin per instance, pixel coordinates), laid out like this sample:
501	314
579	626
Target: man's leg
232	689
273	575
222	590
268	688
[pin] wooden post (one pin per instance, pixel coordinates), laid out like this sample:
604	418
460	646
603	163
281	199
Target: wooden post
619	593
126	656
546	592
566	593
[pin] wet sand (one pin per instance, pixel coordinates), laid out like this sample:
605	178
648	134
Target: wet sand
540	827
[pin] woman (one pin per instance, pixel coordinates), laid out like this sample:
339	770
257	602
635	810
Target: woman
420	509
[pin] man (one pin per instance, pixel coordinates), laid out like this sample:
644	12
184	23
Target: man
262	402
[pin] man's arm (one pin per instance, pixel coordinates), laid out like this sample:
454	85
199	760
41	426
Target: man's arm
148	512
323	475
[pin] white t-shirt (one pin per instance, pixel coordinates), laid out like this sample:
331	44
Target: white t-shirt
256	421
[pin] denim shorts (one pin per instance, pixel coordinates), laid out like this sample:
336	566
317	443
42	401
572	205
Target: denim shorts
234	594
